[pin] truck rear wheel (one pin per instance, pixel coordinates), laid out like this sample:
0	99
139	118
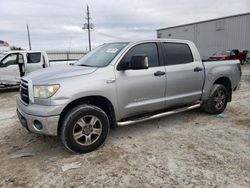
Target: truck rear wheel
217	101
84	128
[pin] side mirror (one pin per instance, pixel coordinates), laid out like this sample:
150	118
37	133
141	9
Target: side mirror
138	62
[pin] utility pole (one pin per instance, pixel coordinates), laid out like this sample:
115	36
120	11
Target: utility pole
29	36
88	26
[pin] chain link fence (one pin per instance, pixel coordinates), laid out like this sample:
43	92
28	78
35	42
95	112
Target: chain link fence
56	55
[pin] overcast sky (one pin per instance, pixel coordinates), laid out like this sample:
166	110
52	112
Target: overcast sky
56	24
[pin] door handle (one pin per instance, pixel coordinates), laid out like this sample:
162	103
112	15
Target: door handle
159	73
197	69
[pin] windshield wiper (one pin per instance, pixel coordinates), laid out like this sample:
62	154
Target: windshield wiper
86	65
89	65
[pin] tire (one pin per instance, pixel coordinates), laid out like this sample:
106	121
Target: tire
84	128
217	101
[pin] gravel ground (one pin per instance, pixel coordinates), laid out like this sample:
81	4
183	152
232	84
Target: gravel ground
191	149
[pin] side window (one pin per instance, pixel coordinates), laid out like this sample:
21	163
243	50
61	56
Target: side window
9	60
235	52
147	49
34	57
177	53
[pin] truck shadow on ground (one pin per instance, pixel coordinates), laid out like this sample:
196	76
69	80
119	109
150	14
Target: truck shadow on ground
49	145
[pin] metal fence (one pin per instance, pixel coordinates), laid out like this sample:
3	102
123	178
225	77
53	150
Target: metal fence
65	55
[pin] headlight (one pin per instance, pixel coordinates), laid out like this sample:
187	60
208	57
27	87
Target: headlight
45	91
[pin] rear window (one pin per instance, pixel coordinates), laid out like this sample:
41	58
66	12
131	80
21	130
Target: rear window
34	57
177	53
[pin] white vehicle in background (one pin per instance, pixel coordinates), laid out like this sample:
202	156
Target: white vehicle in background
14	64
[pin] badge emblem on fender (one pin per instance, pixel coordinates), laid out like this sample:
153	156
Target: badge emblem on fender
110	81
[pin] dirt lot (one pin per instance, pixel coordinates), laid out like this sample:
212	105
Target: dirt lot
191	149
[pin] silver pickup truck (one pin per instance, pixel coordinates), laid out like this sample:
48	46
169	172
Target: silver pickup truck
122	83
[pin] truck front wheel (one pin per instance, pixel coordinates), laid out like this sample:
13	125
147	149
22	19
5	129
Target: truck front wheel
84	128
217	101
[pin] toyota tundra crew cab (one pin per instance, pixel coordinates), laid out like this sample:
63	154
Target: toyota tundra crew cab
122	83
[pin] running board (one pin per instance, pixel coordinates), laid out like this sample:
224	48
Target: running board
124	123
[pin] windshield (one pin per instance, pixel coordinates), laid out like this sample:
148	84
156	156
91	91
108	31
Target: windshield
222	53
102	55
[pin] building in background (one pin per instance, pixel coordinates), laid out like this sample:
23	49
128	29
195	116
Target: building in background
232	32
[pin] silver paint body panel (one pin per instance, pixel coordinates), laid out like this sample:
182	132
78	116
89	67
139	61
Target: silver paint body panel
131	92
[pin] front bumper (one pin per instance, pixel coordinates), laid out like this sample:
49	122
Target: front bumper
49	123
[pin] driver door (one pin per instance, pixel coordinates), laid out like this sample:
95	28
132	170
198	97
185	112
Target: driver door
141	91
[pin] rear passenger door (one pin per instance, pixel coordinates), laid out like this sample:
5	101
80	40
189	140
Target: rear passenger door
185	76
34	62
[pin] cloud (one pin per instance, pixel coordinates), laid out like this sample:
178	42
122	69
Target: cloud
58	24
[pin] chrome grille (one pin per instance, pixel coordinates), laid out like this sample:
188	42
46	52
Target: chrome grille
24	91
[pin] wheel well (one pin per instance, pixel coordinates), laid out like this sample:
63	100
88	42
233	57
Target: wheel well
98	101
227	83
